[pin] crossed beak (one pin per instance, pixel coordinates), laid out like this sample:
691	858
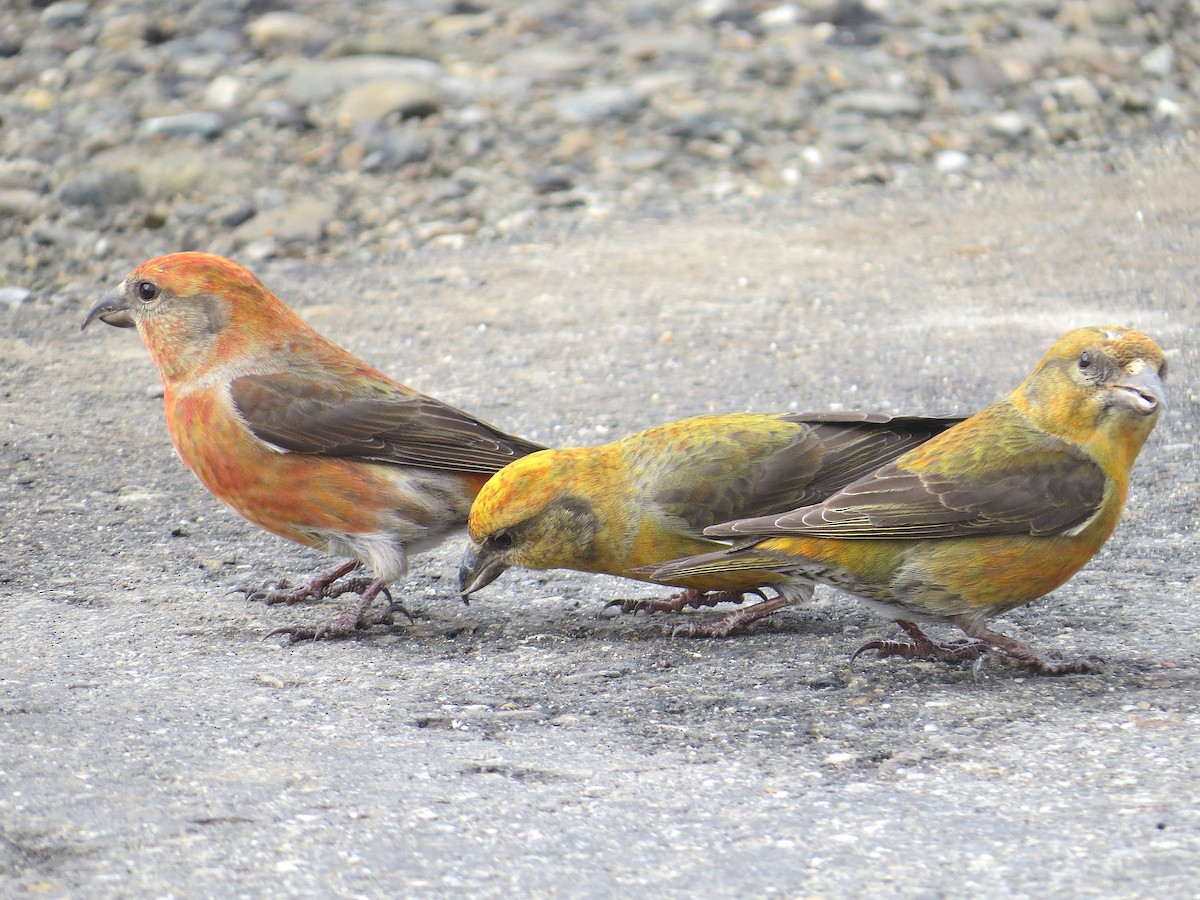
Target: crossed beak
1141	390
113	309
478	570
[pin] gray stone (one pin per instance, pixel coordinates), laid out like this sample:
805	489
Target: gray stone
545	63
376	100
974	74
168	169
58	14
12	297
23	173
302	220
311	81
394	148
1077	89
711	10
881	104
951	161
20	203
643	160
1008	124
1159	62
1111	12
1166	109
598	104
224	92
464	25
100	189
281	30
123	34
194	124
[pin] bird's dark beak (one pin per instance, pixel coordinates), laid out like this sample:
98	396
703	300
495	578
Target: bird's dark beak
479	569
1141	390
113	309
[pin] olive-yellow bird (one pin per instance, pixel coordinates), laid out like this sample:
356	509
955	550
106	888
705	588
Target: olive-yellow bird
646	499
987	516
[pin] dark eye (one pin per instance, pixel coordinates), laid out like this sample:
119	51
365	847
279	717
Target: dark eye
1085	359
147	291
503	540
1162	371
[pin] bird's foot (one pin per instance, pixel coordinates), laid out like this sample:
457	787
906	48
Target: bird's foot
923	647
733	623
353	620
690	598
1018	655
317	588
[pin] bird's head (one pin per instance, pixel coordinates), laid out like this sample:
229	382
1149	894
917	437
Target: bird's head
527	516
183	306
1104	382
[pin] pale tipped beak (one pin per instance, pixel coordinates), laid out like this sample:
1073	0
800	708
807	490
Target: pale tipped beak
1141	390
478	570
113	309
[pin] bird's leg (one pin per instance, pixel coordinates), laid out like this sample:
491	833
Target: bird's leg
923	647
1025	657
732	623
319	587
350	621
696	599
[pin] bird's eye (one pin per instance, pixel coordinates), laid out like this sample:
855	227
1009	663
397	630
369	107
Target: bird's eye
503	540
1162	371
147	291
1085	359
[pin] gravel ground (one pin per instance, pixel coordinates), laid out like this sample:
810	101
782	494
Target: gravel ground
154	744
775	207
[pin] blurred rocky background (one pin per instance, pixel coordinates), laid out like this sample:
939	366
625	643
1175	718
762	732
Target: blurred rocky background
319	130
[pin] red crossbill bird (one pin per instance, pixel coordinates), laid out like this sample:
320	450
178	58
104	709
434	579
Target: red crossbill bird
987	516
646	499
298	435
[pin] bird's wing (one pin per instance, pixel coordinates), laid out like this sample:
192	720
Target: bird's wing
1035	484
832	451
744	466
379	421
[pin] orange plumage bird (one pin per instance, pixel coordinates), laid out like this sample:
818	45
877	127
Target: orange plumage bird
298	435
985	517
646	499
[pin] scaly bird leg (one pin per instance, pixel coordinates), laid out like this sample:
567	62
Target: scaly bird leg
691	597
318	588
732	623
350	621
923	647
1025	657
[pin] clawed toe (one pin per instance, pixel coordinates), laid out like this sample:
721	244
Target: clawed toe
283	591
988	648
733	623
630	605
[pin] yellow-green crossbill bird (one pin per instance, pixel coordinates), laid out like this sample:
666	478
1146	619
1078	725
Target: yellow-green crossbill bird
987	516
647	498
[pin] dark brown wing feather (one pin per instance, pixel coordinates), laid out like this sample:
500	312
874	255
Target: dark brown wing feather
839	449
730	468
306	416
1045	486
